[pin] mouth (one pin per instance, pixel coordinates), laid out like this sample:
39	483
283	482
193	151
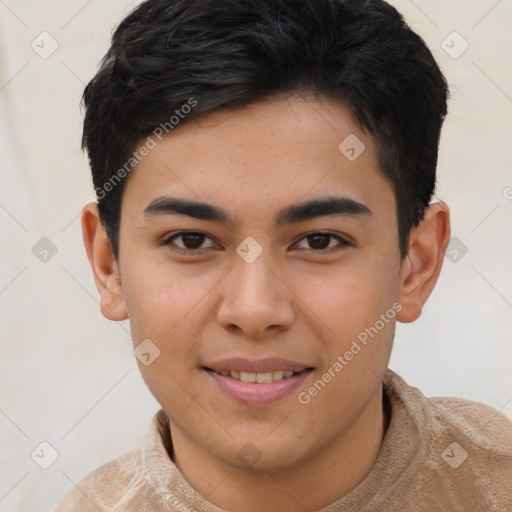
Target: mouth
257	384
258	377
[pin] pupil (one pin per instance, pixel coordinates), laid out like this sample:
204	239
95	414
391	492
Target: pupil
316	238
196	238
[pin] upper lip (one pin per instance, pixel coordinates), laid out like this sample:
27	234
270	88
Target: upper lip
256	365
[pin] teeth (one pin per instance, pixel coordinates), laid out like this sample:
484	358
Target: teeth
247	376
264	378
260	378
277	375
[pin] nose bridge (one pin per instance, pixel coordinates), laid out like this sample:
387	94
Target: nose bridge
253	298
252	277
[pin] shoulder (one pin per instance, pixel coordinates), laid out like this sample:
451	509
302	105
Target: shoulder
472	452
463	450
104	487
483	426
483	432
139	480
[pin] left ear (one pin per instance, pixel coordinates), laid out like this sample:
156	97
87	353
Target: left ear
422	265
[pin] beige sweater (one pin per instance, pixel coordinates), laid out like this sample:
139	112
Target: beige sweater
438	454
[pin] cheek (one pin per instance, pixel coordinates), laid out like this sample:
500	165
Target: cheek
170	305
358	309
350	298
359	340
158	297
163	307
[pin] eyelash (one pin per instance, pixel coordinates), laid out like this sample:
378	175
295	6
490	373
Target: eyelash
169	242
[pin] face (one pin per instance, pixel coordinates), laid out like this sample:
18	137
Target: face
256	284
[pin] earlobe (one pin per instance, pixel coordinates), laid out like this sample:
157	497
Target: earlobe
422	265
103	264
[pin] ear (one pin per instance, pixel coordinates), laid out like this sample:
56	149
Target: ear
104	266
422	265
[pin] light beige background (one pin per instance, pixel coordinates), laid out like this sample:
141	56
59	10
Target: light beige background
68	376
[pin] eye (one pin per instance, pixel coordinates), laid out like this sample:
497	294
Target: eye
191	241
321	242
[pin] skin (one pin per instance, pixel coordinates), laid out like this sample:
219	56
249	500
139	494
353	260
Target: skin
294	301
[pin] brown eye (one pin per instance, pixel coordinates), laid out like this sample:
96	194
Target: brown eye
190	241
193	240
320	242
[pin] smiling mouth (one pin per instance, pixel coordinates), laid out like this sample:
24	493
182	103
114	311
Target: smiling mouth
258	388
258	377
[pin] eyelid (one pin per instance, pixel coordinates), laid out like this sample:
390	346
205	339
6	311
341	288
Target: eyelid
167	240
343	242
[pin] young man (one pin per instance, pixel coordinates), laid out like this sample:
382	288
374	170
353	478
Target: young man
264	172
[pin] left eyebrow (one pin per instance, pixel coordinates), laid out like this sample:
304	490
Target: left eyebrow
165	205
319	208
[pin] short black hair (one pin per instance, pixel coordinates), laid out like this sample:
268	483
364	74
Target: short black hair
169	58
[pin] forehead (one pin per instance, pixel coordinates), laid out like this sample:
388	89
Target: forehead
255	159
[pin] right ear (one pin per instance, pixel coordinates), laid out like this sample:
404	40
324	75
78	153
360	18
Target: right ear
104	266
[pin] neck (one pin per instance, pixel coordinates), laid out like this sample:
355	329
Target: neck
311	485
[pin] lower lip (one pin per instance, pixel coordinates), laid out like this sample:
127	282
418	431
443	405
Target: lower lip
251	393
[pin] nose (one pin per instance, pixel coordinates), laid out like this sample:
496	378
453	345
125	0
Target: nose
255	300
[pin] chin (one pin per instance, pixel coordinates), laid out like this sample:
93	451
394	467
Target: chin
261	455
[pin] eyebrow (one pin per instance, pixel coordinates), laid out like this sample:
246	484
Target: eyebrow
333	205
